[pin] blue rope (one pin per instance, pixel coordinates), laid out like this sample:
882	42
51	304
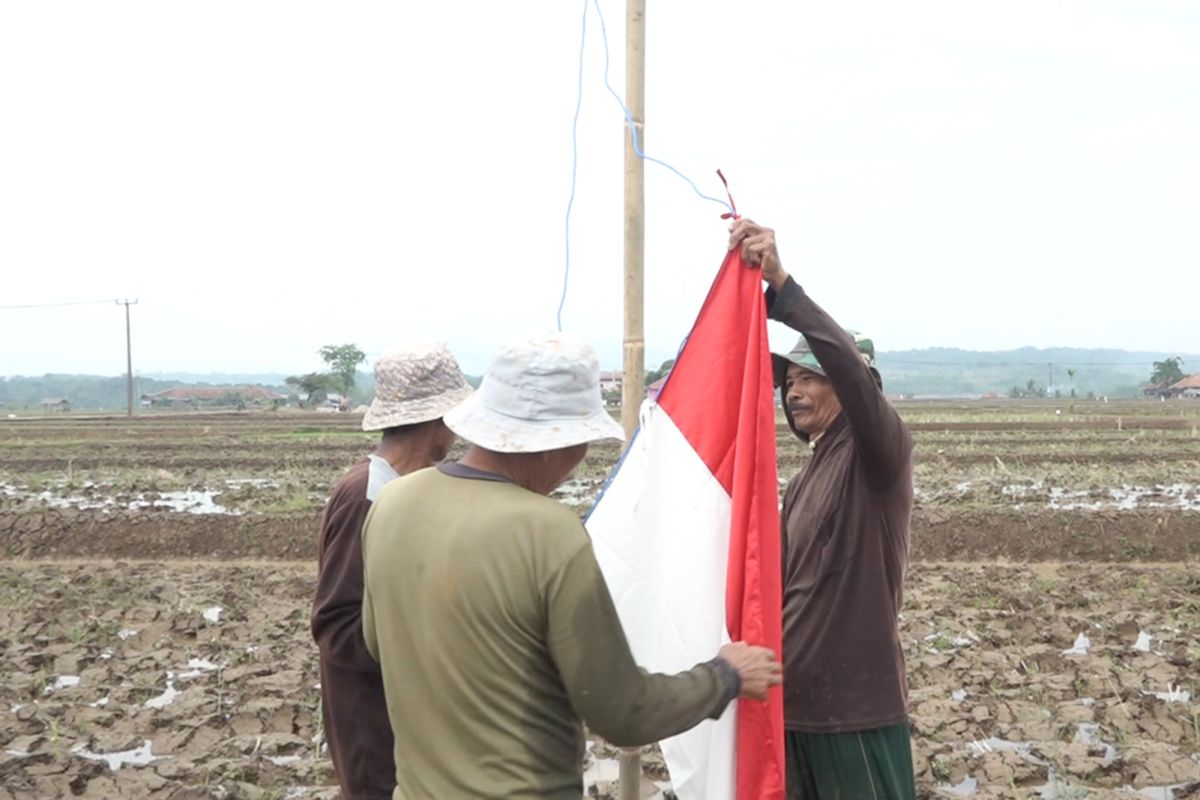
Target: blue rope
637	147
574	165
633	132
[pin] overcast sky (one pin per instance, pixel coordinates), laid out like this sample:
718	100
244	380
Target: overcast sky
269	177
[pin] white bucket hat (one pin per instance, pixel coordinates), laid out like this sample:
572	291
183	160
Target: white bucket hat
540	393
415	383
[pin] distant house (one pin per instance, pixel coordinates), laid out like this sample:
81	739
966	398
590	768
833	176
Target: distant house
653	389
1189	387
610	381
194	396
59	404
1156	390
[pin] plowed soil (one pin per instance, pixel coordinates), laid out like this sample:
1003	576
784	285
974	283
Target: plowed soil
1053	651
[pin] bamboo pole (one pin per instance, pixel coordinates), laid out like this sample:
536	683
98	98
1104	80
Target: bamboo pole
633	383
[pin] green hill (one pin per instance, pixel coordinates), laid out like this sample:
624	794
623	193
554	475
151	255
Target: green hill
933	372
952	372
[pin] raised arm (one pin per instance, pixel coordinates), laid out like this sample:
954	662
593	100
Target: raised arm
880	435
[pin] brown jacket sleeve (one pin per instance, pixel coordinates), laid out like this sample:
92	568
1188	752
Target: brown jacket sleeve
881	437
624	704
337	611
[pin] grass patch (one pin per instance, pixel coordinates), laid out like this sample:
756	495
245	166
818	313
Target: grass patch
294	502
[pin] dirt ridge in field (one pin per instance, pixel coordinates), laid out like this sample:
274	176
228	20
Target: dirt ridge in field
937	535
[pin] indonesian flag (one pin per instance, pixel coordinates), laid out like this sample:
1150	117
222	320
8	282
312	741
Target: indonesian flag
687	534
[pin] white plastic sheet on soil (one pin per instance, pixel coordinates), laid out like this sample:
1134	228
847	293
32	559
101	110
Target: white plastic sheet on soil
139	756
1080	648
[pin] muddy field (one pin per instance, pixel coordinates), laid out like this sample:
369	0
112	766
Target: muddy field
157	573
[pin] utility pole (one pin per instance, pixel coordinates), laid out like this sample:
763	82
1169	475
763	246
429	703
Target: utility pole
1049	378
128	358
633	383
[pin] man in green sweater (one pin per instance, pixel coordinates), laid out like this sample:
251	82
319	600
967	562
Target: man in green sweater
493	626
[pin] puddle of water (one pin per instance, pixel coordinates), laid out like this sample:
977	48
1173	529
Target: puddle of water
191	502
188	501
577	491
1063	500
258	483
928	496
1182	496
1022	490
137	757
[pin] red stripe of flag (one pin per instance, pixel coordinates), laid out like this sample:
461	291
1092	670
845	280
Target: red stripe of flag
721	398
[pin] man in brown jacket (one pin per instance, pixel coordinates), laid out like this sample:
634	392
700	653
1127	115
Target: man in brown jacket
845	523
414	387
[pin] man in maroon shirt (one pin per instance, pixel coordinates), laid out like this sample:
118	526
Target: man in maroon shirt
414	387
845	550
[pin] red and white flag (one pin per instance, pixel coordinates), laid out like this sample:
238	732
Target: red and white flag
687	534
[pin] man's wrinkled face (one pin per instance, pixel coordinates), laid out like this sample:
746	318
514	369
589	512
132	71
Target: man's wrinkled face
810	400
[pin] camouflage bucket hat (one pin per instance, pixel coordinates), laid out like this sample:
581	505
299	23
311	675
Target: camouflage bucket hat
415	383
802	356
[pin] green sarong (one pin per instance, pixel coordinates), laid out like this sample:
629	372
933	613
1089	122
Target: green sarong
864	765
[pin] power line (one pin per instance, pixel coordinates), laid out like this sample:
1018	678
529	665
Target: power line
1074	364
60	305
128	354
574	166
630	123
